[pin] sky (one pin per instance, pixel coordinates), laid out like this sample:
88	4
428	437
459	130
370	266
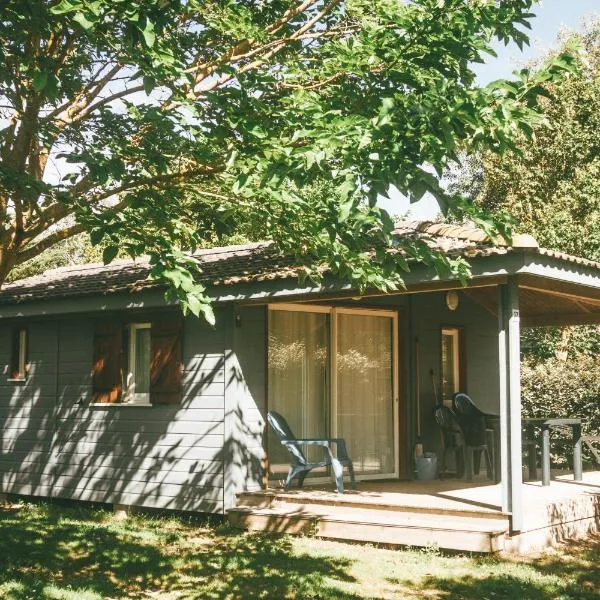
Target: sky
552	17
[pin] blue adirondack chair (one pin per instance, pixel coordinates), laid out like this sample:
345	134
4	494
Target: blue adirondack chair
299	465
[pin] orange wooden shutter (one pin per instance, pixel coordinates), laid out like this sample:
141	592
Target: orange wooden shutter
166	364
106	371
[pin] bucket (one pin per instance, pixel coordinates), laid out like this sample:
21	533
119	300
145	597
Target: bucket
426	466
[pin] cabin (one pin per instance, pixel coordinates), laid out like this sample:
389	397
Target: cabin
109	394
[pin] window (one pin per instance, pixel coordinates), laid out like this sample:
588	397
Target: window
137	375
451	363
18	361
138	363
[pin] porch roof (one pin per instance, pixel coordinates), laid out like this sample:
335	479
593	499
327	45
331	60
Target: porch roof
556	288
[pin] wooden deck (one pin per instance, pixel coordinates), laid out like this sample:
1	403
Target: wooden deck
451	514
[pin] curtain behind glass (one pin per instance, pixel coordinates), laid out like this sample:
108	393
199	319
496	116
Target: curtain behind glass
298	366
142	361
449	382
365	397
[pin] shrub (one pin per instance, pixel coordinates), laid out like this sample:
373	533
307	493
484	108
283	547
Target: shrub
556	388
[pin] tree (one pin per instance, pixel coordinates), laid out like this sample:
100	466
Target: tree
152	125
551	185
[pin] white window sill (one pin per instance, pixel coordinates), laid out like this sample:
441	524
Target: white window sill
16	379
120	404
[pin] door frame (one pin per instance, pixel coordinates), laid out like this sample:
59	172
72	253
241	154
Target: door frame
334	311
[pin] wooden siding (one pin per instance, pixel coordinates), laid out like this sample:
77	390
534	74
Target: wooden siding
480	337
245	401
54	443
27	411
197	455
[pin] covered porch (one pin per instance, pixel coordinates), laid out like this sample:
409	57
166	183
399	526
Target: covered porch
417	347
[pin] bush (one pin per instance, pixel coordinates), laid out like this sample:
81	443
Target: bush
556	388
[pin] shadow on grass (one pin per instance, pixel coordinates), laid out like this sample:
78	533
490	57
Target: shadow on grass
50	552
572	572
579	563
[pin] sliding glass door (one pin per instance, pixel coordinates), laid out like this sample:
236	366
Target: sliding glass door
332	373
364	394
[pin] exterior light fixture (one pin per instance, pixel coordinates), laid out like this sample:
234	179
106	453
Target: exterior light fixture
452	299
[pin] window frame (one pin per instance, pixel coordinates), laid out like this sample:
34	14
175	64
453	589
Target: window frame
458	366
18	363
130	396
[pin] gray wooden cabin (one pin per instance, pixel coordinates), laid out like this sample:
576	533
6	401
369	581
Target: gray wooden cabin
192	433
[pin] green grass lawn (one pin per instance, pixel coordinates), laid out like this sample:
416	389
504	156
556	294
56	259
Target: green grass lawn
68	553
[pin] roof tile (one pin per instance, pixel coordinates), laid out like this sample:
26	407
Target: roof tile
249	262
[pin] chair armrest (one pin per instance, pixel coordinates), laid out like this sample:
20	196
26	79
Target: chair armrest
342	452
307	442
318	441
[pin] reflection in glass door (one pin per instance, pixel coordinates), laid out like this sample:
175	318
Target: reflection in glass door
332	373
364	395
298	379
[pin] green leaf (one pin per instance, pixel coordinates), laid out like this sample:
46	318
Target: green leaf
40	80
65	6
83	20
345	210
418	190
96	236
240	182
52	86
165	56
209	313
387	105
258	131
149	82
109	254
148	32
194	305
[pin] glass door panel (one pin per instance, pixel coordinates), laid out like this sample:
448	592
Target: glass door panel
364	402
298	366
450	364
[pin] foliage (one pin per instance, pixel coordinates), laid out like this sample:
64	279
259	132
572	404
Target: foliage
551	186
78	250
88	555
546	342
75	250
559	388
154	125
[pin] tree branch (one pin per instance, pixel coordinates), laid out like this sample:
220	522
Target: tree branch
154	180
94	79
91	108
59	211
282	44
81	108
47	242
239	50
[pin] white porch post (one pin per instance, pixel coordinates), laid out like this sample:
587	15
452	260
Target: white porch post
509	347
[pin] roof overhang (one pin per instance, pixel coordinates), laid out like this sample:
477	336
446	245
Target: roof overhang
553	291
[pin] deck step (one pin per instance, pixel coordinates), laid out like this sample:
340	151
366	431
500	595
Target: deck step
464	533
281	499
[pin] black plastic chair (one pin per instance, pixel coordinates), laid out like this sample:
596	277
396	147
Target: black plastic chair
299	465
452	438
476	434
